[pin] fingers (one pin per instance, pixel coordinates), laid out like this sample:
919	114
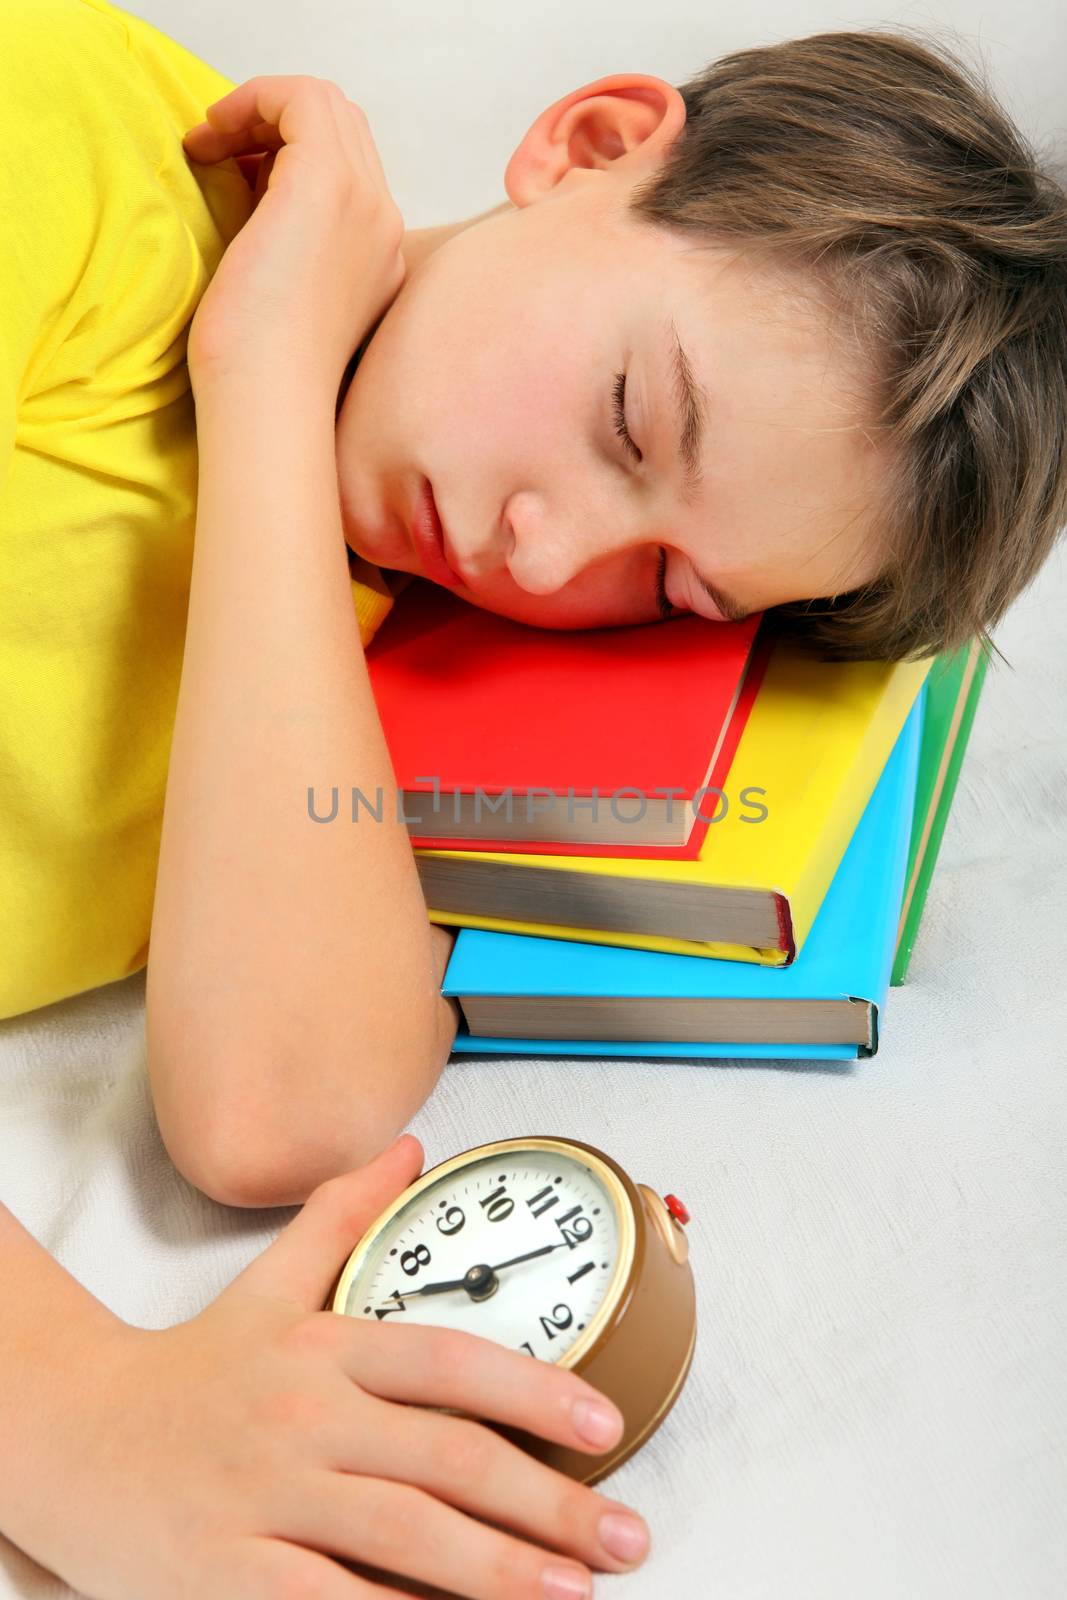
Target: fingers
357	119
267	110
431	1366
273	114
396	1527
473	1469
266	1567
352	134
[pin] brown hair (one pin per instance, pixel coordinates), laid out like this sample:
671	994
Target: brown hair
891	177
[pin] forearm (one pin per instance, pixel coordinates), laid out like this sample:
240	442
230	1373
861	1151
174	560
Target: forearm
290	973
53	1333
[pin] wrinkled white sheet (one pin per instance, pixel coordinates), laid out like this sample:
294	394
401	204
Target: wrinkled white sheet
877	1402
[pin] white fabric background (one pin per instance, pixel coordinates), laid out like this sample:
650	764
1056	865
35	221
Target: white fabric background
878	1400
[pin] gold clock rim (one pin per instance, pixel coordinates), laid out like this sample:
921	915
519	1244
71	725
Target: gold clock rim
575	1151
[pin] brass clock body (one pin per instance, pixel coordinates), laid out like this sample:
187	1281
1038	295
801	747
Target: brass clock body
547	1245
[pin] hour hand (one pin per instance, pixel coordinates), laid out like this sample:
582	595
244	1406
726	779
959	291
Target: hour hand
474	1278
433	1288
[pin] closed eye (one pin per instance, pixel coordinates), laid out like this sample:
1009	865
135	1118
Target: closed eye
620	416
727	612
665	606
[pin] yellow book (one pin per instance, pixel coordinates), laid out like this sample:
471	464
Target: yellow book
807	762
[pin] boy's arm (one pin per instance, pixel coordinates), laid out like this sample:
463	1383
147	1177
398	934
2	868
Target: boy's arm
52	1334
294	1016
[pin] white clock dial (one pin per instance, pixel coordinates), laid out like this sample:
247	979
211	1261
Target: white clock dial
466	1230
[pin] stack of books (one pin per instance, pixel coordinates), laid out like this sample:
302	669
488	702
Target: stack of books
686	839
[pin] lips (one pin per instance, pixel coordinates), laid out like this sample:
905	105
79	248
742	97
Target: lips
429	539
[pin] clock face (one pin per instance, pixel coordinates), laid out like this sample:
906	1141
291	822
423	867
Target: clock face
522	1246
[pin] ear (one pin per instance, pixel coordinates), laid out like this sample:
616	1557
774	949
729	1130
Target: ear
623	123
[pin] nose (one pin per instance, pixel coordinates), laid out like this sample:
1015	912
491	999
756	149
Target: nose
547	552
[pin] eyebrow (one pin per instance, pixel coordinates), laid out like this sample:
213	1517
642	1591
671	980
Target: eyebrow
693	402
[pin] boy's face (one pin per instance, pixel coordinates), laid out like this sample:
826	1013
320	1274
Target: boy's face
493	374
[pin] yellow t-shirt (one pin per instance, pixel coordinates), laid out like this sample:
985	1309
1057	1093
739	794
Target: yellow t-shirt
108	238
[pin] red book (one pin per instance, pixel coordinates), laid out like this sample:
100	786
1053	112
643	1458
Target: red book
503	735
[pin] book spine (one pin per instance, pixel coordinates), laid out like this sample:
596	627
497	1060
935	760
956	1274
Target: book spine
955	685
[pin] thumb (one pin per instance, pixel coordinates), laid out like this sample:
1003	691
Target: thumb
305	1261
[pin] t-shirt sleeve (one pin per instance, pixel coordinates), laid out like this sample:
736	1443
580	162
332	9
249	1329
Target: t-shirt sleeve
51	110
8	408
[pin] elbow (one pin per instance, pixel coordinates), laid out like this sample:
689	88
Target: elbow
237	1163
275	1171
192	1141
272	1148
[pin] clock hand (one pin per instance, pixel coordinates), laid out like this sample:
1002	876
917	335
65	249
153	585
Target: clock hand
477	1275
433	1288
529	1256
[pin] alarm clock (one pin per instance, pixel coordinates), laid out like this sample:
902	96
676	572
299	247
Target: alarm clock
548	1246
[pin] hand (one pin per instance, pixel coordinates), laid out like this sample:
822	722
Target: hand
259	1447
319	261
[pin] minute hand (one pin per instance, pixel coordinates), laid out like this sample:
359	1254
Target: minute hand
529	1256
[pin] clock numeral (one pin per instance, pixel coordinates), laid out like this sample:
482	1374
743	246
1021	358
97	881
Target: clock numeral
572	1277
552	1326
453	1211
525	1346
419	1257
387	1311
582	1230
498	1205
553	1199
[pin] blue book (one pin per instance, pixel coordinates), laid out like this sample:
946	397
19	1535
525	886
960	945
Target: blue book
531	996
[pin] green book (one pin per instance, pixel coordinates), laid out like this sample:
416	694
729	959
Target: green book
953	685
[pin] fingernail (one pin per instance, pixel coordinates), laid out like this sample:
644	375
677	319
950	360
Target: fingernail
597	1423
623	1537
565	1583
